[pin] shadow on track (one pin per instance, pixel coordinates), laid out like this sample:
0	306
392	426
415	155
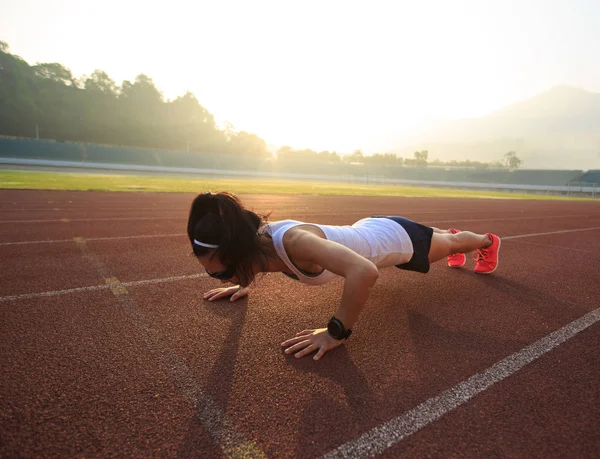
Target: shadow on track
220	380
325	418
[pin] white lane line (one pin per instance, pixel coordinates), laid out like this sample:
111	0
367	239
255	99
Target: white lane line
192	276
509	218
550	232
54	241
219	426
115	238
390	433
109	238
176	217
283	214
184	209
24	296
107	209
100	287
108	219
164	279
553	246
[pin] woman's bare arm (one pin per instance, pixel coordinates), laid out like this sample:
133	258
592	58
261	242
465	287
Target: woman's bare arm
359	276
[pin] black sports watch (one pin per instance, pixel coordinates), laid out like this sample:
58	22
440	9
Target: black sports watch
336	329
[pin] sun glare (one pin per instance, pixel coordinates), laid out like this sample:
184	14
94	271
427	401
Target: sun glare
330	75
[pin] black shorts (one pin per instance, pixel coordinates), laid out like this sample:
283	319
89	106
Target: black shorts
420	235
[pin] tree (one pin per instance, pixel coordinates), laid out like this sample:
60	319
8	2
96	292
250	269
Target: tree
55	72
357	157
190	123
421	157
100	111
287	153
94	109
328	156
99	81
229	131
143	113
382	158
284	151
511	160
19	110
249	144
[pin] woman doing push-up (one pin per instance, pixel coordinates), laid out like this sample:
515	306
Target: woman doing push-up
234	244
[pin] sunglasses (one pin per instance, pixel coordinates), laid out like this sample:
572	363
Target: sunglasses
223	275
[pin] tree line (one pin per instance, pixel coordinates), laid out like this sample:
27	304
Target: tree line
420	159
46	101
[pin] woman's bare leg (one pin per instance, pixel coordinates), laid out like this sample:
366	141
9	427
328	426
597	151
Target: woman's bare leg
439	231
444	243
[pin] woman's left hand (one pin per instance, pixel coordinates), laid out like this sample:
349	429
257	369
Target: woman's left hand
308	341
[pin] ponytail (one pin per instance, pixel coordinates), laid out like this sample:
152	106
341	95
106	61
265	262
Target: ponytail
222	220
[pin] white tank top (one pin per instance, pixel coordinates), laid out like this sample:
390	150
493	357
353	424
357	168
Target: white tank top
380	240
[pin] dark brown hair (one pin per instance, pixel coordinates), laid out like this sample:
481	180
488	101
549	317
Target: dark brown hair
221	219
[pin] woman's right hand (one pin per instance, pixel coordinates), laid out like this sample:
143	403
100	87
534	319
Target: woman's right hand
236	292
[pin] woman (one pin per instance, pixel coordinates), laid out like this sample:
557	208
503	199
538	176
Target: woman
234	244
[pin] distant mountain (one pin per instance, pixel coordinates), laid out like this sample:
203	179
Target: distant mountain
557	129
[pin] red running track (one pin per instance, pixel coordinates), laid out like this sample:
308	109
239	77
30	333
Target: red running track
108	348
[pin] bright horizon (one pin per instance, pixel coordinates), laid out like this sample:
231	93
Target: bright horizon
332	75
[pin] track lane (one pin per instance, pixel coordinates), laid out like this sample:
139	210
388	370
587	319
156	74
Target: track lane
296	408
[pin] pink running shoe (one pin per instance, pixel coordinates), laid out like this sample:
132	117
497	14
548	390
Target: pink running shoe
456	260
487	259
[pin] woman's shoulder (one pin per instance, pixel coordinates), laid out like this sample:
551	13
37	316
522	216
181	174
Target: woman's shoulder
280	226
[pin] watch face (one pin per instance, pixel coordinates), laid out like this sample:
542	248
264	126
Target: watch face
335	329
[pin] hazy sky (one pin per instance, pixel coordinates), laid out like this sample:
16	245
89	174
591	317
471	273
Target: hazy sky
323	74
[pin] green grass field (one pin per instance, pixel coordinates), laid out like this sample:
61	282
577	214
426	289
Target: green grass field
38	180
